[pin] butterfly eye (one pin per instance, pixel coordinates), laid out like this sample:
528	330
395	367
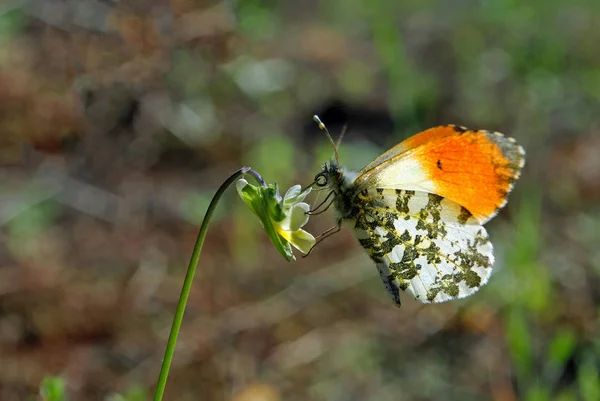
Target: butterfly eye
321	180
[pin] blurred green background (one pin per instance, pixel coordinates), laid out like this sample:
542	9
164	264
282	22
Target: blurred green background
119	119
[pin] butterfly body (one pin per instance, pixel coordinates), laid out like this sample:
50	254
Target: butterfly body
419	208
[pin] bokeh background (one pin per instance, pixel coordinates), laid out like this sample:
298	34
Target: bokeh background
119	119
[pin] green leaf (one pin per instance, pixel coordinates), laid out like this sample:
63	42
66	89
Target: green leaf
53	389
561	348
538	392
589	383
566	395
11	23
519	342
135	393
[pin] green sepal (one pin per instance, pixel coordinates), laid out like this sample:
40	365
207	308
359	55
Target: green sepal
272	202
263	201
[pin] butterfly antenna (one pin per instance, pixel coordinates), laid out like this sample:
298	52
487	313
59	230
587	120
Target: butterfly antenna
339	141
324	128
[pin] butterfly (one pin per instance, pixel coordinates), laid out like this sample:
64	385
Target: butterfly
419	208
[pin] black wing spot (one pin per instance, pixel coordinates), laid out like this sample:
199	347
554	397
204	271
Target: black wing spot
439	164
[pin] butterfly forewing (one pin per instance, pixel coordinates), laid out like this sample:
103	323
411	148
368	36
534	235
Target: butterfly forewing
414	141
424	244
475	169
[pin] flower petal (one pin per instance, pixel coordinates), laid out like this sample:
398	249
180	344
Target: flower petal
295	217
239	185
298	215
291	194
303	195
302	241
285	234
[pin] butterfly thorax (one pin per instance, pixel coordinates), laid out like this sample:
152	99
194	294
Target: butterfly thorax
341	183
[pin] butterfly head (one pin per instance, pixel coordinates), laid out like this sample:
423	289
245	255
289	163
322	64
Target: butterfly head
340	184
331	176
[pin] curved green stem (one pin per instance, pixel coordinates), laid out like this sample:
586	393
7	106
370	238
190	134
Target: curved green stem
189	278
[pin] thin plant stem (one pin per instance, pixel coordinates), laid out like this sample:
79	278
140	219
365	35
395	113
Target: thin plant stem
189	278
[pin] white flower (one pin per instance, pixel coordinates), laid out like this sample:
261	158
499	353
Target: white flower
296	216
282	218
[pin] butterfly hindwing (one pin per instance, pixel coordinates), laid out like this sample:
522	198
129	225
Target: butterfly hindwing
424	244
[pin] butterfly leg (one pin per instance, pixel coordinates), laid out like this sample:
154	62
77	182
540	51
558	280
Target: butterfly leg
328	233
315	212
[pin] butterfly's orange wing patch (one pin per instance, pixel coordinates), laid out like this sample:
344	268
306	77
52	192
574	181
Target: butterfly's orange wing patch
475	169
412	142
